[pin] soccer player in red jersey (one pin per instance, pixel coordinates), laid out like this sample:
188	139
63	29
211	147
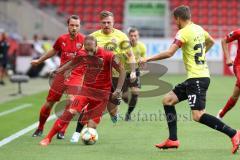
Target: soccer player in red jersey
67	45
232	36
93	94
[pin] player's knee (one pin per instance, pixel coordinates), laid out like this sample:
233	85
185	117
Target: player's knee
49	104
92	124
72	111
135	91
235	97
197	115
125	99
167	100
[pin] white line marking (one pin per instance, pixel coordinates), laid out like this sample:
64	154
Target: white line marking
22	132
15	109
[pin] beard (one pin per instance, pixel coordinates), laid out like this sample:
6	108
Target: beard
91	52
73	33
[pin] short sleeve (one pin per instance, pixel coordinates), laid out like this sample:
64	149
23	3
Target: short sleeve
124	44
206	35
179	39
57	45
144	51
234	35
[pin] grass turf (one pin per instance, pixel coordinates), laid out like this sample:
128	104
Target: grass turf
127	140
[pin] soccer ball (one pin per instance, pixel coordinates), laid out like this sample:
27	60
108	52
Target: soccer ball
89	136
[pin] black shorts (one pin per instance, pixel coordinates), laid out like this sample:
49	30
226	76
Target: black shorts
129	84
194	90
3	62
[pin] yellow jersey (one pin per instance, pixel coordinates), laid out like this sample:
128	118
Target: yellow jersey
192	39
117	42
139	51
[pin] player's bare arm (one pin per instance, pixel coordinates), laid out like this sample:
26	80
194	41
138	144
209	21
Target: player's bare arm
49	54
209	42
120	69
67	67
163	55
226	53
132	62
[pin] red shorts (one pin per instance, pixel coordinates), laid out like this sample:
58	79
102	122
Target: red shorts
73	84
236	70
90	108
56	89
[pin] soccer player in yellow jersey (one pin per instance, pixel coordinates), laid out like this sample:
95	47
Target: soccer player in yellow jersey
195	42
139	51
116	41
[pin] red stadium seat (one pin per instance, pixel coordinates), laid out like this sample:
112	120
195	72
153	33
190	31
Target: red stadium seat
43	3
98	9
89	10
79	2
61	2
214	20
108	2
53	2
203	20
224	3
70	2
70	9
99	2
61	9
204	4
90	2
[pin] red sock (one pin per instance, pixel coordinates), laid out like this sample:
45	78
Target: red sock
44	114
60	123
229	105
66	125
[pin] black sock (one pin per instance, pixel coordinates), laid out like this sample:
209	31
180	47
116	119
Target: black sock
132	103
79	127
130	109
171	117
217	124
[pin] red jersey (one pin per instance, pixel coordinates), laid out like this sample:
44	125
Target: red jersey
235	35
67	47
93	73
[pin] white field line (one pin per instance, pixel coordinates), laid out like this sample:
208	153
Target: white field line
15	109
22	132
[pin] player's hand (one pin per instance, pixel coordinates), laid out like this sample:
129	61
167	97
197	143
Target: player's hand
53	73
35	62
117	94
67	73
142	62
229	62
133	76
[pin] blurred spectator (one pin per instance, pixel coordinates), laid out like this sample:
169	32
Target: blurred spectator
4	46
51	63
37	46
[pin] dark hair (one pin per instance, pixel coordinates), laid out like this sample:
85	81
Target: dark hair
105	14
76	17
133	29
183	12
90	37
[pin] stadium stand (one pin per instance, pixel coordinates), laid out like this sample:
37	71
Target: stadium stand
88	10
217	17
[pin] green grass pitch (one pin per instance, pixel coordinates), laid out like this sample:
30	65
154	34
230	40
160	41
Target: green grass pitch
127	140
